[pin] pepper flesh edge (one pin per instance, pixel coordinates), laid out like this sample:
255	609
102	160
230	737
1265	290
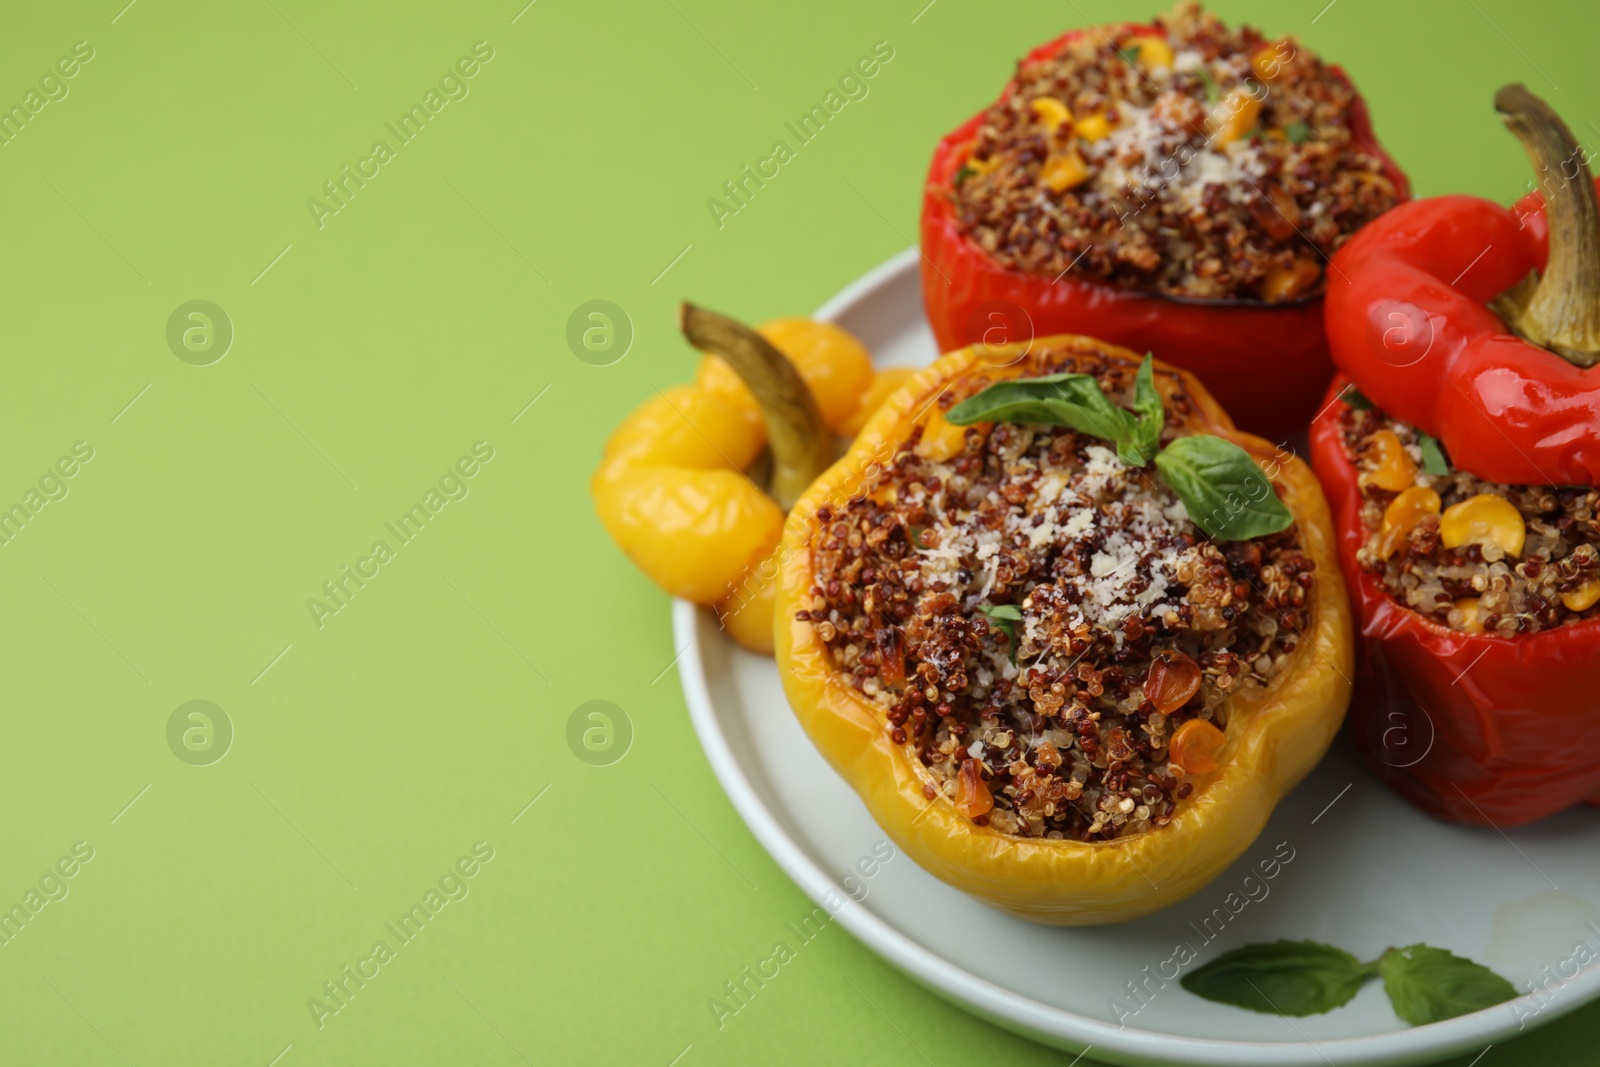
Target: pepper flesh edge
1273	740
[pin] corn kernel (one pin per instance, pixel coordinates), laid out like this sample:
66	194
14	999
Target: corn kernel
1391	466
1286	283
1403	515
1052	113
1484	519
1468	616
1269	62
1584	597
1093	127
1234	117
1154	52
981	167
1063	172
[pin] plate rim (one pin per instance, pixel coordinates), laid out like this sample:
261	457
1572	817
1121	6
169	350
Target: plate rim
1058	1027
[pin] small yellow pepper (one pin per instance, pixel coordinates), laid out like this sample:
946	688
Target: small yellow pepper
834	365
677	486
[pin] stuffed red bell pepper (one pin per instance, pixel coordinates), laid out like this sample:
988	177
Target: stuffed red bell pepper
1175	188
1461	466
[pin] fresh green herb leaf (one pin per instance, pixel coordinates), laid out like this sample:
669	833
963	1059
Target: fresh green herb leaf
1283	978
1306	978
1004	617
1428	984
916	536
1225	492
1298	132
1355	398
964	173
1073	400
1130	54
1150	414
1434	460
1212	92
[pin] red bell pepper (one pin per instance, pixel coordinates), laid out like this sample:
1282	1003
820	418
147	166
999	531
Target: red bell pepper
1267	364
1474	728
1414	330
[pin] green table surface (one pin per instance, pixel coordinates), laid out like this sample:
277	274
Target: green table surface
373	347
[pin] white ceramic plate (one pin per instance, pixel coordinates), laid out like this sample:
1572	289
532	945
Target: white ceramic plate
1367	871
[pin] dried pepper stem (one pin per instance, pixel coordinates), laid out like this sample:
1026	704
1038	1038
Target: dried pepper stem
801	444
1560	310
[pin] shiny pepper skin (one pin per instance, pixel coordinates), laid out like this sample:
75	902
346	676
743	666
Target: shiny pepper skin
1413	330
672	493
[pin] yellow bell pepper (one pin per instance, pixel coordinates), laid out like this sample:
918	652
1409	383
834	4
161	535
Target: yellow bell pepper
677	485
1272	738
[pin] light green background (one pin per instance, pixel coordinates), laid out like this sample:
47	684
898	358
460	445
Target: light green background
423	318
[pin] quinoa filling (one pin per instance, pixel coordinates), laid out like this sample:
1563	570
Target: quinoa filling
1471	555
1040	623
1213	164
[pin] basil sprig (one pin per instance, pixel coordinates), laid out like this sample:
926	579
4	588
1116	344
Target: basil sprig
1150	417
1073	400
1299	978
1225	492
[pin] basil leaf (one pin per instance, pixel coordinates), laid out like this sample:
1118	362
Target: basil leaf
1355	398
1004	617
1212	92
1428	984
1147	408
1434	461
1226	494
1297	132
1283	978
963	174
1130	54
1073	400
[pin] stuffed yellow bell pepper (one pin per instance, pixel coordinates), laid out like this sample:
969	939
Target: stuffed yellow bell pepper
682	484
1068	633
